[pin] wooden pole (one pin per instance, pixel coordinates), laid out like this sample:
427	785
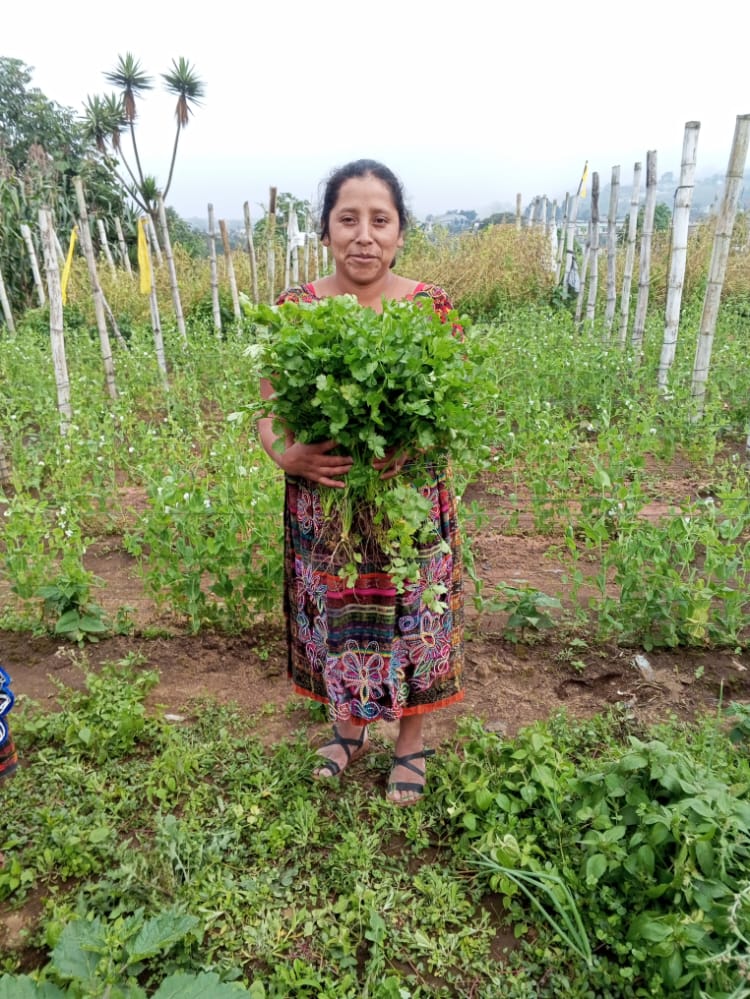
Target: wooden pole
678	258
594	254
153	240
270	248
153	302
230	268
719	257
584	273
105	245
38	283
124	256
215	304
4	301
251	251
171	270
519	208
614	194
561	237
627	277
644	272
57	336
570	239
101	322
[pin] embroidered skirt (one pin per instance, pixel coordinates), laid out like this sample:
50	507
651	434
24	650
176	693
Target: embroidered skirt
367	650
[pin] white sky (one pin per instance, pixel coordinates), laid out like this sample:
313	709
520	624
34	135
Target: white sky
468	102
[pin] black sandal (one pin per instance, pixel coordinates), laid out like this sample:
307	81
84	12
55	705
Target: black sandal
360	747
406	785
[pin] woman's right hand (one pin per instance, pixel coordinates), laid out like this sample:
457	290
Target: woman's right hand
314	462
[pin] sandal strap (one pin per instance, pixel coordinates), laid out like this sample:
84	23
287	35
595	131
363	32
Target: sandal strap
334	768
340	740
405	785
405	761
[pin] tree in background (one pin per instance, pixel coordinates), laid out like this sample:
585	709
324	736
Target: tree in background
107	118
42	148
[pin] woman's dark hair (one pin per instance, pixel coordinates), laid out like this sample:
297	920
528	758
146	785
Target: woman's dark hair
361	168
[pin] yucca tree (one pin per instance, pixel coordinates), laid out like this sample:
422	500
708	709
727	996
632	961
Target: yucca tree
184	83
132	82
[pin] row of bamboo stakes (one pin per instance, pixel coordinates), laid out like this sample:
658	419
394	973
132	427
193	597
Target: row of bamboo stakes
562	260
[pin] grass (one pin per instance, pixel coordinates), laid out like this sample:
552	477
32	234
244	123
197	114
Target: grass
144	855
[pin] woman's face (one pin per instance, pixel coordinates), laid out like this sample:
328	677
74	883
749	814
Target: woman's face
364	230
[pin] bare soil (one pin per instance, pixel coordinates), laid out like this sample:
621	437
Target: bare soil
508	684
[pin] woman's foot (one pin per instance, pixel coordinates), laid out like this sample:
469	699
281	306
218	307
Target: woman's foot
407	780
349	742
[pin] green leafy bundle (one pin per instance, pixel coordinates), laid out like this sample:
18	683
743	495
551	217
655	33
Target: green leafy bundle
397	382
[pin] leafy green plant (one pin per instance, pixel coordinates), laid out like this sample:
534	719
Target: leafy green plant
96	958
528	609
74	616
396	382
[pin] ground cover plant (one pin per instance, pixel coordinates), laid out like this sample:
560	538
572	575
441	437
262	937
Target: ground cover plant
609	855
168	855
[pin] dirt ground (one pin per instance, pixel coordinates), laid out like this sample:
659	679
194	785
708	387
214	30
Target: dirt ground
507	684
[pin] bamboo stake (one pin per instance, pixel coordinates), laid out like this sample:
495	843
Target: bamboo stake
569	240
58	248
594	262
627	277
584	272
7	313
105	245
57	336
308	239
614	194
561	236
155	248
230	268
270	250
124	255
288	249
678	258
215	305
171	269
38	283
315	255
96	291
719	257
644	272
251	251
153	302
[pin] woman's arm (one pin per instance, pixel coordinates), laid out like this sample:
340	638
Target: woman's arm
310	461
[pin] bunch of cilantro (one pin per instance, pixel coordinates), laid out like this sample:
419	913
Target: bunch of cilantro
401	381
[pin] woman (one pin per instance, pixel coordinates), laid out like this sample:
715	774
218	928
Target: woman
369	652
8	757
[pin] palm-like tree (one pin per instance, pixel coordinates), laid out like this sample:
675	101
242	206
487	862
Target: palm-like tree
103	121
132	82
184	83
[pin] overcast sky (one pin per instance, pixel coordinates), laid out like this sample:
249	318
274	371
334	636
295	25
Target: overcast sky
469	102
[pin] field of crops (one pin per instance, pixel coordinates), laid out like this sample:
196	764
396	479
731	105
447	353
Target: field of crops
586	831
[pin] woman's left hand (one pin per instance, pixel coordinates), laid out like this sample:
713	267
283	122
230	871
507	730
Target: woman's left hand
391	464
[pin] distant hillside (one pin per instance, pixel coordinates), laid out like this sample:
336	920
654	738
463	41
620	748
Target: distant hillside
706	196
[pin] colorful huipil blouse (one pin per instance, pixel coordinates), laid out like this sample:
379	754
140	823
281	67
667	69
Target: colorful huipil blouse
368	651
8	757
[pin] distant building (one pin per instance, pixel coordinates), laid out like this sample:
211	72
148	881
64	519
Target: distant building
452	221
